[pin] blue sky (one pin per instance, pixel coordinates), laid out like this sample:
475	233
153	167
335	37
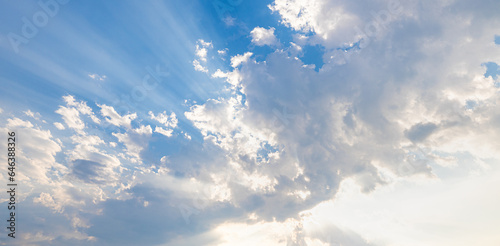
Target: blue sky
239	122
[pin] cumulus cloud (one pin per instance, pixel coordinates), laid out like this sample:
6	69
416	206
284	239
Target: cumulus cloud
262	36
43	179
410	102
336	23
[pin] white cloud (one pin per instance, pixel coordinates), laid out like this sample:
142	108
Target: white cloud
198	67
37	153
262	36
35	115
201	54
165	119
201	49
219	74
71	117
16	122
295	49
257	233
59	126
37	237
336	23
402	118
203	43
233	77
45	180
222	52
95	76
168	121
116	119
81	107
46	200
71	113
222	124
299	15
144	130
239	59
167	133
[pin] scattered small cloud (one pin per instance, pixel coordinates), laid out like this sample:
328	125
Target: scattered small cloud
169	121
198	67
201	54
111	116
229	21
35	115
222	52
167	133
98	77
59	126
165	119
262	36
201	49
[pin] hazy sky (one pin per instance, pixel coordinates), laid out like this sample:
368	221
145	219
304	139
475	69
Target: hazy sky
238	122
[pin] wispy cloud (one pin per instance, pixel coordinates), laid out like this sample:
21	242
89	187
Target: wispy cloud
97	77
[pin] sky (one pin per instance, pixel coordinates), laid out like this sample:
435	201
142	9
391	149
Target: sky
237	122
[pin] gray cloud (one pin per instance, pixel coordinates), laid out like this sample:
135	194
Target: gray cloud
88	171
420	131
